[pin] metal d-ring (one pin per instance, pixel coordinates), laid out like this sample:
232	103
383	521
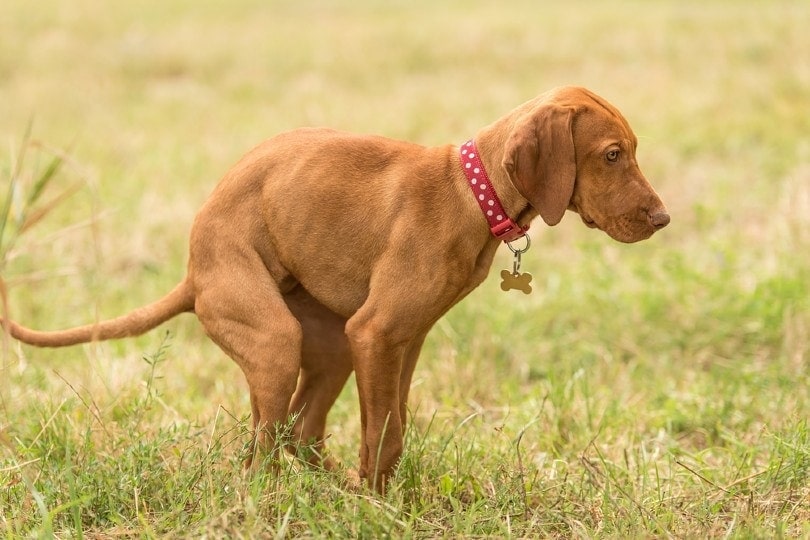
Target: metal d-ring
520	251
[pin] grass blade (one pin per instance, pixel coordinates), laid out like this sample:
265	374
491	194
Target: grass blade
44	179
5	215
36	215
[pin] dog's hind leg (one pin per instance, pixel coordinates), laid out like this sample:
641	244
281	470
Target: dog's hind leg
243	311
326	365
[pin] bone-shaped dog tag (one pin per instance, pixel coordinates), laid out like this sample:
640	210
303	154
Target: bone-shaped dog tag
515	279
520	282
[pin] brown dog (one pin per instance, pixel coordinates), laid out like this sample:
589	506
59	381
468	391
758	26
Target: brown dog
324	252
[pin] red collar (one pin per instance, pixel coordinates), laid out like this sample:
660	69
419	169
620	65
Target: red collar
501	225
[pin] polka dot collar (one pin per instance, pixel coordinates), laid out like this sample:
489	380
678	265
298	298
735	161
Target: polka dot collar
500	224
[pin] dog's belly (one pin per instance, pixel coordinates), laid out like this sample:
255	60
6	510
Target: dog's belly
339	290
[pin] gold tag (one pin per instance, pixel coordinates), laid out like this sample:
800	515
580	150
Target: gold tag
517	281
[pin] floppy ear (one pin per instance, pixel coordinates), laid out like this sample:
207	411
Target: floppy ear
540	160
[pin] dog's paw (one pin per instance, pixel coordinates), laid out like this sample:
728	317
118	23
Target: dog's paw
352	480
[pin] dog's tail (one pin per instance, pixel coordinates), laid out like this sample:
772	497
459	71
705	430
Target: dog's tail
136	322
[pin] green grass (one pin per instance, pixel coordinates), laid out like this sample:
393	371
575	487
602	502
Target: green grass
659	389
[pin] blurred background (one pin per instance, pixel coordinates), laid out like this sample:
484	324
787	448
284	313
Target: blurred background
705	327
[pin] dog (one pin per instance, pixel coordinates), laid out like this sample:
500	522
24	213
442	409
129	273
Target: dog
323	252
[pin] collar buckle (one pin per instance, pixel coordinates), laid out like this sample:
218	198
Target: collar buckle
507	230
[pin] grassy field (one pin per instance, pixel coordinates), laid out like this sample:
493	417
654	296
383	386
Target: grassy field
658	389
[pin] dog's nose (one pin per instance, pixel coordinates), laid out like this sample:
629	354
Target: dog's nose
659	220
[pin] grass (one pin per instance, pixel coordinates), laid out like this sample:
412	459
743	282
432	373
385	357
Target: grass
656	389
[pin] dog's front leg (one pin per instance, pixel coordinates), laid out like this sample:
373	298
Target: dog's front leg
385	347
406	375
378	365
410	288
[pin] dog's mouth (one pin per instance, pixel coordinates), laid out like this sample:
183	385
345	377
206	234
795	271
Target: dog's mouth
623	228
586	219
628	229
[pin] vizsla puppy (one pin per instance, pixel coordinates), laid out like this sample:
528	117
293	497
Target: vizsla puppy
324	252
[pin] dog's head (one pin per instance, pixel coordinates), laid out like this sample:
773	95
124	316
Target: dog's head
572	150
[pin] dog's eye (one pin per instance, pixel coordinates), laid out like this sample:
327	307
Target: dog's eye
612	156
